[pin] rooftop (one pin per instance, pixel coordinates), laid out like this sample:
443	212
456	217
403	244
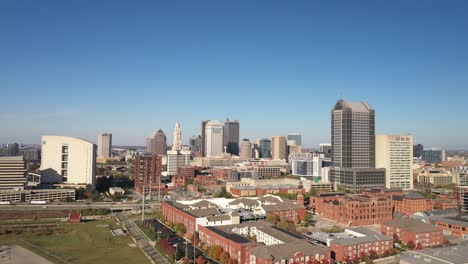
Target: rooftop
412	225
362	235
442	255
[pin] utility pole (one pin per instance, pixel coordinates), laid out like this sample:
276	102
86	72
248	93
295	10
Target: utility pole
143	205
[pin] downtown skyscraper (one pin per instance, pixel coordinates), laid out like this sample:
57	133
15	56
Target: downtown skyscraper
105	145
157	143
231	136
353	147
177	139
214	138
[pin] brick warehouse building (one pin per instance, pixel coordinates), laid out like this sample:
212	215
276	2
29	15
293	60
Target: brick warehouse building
317	201
421	234
359	210
411	203
271	245
148	172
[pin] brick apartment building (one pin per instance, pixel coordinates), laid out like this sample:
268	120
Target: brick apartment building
148	173
196	213
421	234
411	203
359	210
272	245
453	226
363	242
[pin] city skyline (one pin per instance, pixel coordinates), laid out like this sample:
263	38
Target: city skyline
412	69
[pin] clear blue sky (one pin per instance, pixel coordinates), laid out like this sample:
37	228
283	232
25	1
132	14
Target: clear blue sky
81	67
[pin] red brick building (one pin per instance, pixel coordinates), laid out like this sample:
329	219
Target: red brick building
317	201
174	214
365	242
359	210
411	203
456	227
421	234
271	246
178	182
222	174
243	191
382	191
187	172
206	180
148	173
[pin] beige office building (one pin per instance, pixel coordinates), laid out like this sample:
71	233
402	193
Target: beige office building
12	173
278	147
68	160
105	145
214	138
245	150
395	154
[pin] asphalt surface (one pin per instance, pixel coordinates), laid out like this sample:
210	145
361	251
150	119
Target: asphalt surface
174	239
141	241
76	205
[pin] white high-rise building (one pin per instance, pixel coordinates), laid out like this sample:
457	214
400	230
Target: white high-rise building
214	138
395	154
68	160
177	137
307	164
105	145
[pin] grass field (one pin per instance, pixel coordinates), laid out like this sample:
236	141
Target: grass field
80	243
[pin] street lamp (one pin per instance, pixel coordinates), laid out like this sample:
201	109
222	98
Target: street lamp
175	254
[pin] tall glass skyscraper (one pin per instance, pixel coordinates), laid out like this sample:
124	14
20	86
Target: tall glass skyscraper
353	147
296	137
265	148
231	136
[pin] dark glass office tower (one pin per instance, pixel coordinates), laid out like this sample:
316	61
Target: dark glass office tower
353	147
231	136
203	137
265	148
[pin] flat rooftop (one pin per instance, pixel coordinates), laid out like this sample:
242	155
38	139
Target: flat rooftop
443	255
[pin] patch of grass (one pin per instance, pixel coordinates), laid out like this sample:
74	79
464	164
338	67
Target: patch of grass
81	243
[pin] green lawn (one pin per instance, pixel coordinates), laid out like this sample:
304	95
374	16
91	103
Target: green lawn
80	243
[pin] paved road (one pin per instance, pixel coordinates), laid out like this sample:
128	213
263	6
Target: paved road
66	206
141	240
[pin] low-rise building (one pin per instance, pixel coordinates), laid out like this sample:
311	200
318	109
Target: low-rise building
409	231
436	177
411	203
37	195
222	211
317	201
362	242
359	210
12	173
271	245
452	226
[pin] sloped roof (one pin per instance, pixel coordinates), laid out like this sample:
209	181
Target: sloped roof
412	225
248	202
203	203
413	195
